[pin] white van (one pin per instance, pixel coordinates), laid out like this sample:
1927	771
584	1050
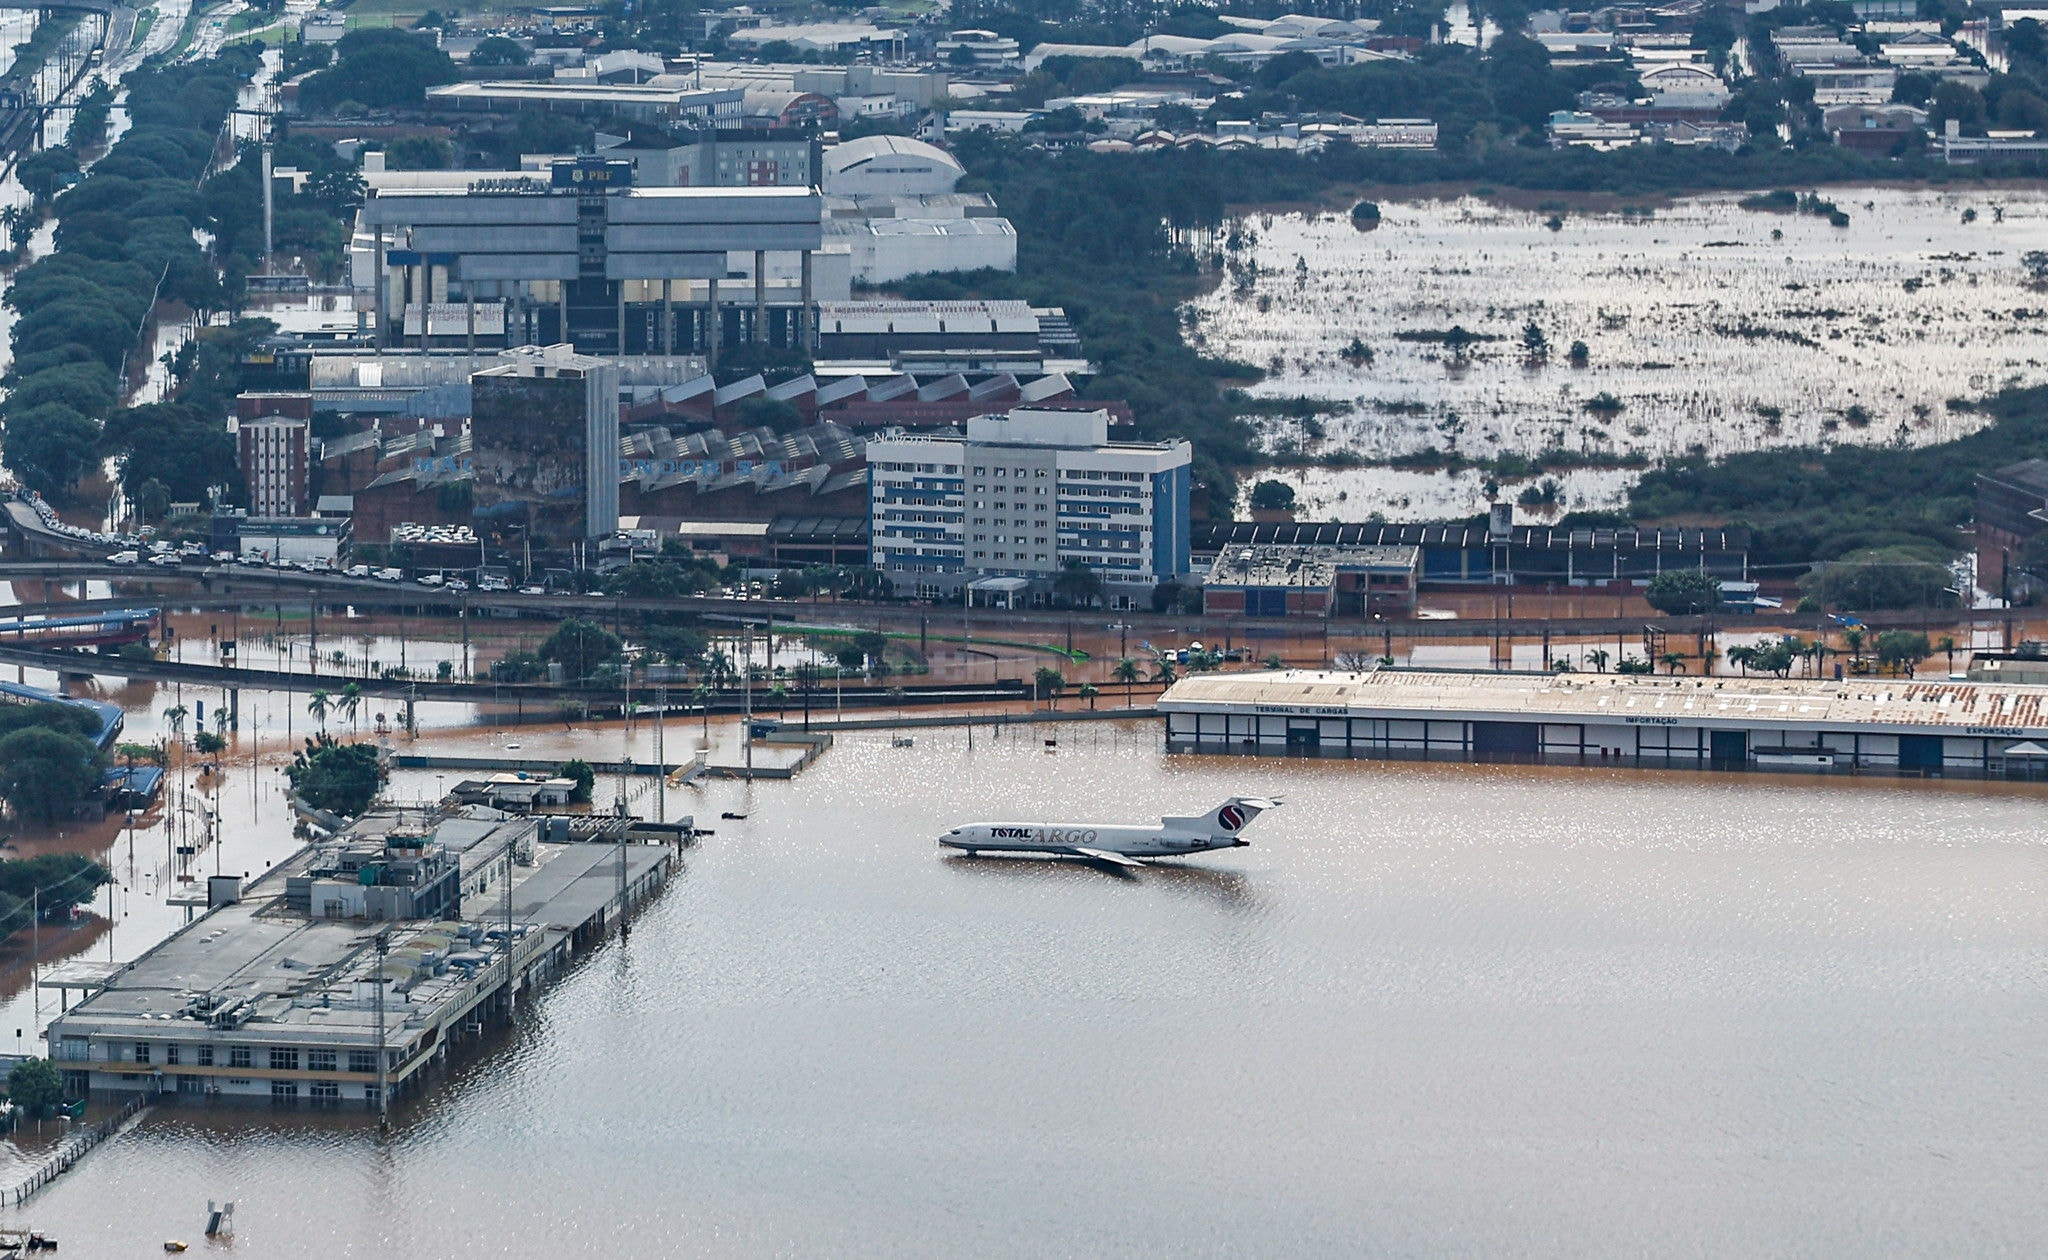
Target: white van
389	575
125	557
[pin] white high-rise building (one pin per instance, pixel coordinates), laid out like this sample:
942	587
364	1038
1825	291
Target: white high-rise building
1020	497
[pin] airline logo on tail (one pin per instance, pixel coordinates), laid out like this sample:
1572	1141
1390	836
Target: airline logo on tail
1231	817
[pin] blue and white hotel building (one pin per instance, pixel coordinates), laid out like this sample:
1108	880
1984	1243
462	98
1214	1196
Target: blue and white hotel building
1003	508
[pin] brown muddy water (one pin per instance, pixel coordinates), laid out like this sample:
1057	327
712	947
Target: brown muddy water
1432	1010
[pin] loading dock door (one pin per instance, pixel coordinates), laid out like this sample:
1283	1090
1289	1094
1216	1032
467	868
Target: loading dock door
1505	739
1728	750
1303	736
1920	752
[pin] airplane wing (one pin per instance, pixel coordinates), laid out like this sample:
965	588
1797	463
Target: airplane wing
1104	855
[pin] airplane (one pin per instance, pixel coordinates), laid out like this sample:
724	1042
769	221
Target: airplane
1114	842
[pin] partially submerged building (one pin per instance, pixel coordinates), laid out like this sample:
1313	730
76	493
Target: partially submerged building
348	970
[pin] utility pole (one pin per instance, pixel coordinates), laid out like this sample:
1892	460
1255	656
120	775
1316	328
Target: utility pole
383	1056
660	756
268	219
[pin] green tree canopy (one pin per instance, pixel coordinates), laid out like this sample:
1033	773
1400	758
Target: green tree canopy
1684	592
585	777
380	66
48	448
498	50
1273	496
580	648
46	774
339	778
35	1086
1882	577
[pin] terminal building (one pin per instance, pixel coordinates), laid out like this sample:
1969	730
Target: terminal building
1947	728
1004	507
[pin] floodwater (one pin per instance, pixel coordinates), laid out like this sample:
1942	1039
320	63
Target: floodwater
1710	332
1432	1010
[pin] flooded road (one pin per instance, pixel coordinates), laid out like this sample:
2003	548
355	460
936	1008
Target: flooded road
1708	327
1432	1009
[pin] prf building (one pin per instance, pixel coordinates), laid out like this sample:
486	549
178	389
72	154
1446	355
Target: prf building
579	255
1003	509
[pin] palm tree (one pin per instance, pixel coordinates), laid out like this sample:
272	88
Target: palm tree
718	665
703	697
175	716
1048	682
1947	643
316	708
1597	658
1854	638
1674	662
1162	672
350	704
1126	672
1742	656
1708	657
1088	692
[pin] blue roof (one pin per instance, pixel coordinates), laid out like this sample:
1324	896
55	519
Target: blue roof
111	719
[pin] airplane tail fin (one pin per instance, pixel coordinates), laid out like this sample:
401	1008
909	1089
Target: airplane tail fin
1227	819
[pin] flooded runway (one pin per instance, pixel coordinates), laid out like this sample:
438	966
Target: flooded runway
1432	1010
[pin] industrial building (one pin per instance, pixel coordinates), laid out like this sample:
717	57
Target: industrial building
1899	726
1504	554
583	256
544	438
892	205
1312	581
1002	509
2012	512
350	968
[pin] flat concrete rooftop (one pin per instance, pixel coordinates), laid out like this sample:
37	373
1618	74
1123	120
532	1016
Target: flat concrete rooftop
1944	706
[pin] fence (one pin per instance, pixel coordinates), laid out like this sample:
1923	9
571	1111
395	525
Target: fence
72	1149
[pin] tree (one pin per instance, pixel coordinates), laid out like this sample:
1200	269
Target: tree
1272	496
1947	643
1078	584
1534	343
1163	672
871	644
35	1085
1088	692
49	447
1047	681
209	744
1882	577
1684	592
1598	658
1902	649
317	706
498	50
46	774
350	704
339	778
1126	672
380	66
1674	662
580	648
585	776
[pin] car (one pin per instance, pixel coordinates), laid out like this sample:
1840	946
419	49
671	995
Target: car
431	579
457	584
124	557
594	595
252	558
390	575
533	590
359	570
223	557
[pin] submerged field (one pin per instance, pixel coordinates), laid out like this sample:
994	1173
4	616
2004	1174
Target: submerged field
1708	328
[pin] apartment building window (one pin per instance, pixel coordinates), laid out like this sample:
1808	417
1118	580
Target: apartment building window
362	1060
284	1059
319	1060
284	1091
171	1054
241	1056
326	1092
206	1056
142	1052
